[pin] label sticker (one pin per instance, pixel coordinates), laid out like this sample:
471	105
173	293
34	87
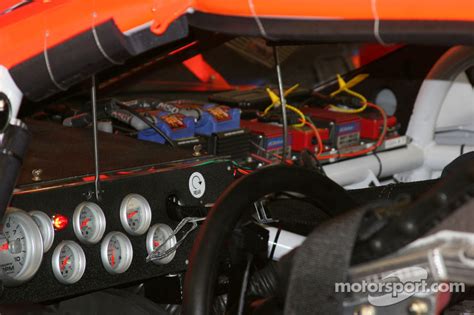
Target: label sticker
197	185
395	142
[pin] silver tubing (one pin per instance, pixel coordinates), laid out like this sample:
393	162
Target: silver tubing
283	104
96	140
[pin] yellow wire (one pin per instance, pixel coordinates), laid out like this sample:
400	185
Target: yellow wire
276	100
344	88
297	111
265	112
292	108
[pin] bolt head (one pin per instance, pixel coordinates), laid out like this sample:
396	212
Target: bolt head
418	307
36	174
365	310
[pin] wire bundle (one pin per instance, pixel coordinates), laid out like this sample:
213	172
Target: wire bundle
344	87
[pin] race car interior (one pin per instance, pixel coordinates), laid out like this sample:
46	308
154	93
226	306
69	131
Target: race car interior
228	174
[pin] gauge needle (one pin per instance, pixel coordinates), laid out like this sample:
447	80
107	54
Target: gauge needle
132	214
112	258
156	244
64	262
4	246
85	222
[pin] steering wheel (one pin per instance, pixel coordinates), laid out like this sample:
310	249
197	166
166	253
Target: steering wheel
232	205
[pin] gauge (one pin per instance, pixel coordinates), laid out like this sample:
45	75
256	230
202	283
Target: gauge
88	223
156	236
116	252
68	262
135	214
45	225
21	247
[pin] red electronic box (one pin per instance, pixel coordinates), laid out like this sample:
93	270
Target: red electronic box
304	138
344	129
372	124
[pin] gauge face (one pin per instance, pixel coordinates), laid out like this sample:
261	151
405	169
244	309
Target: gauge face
116	252
68	262
156	236
21	247
89	223
135	214
45	225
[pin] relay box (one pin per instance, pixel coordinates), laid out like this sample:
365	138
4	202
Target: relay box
344	129
216	119
304	138
267	139
372	124
175	126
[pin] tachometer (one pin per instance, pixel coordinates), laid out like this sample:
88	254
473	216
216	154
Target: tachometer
156	236
21	247
68	262
45	225
135	214
89	223
116	252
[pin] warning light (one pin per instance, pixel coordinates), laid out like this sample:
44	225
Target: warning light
60	222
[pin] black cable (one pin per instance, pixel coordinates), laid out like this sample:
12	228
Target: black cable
380	164
275	241
462	149
146	121
245	281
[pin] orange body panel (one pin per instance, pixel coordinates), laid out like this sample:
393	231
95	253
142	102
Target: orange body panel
30	29
42	24
455	10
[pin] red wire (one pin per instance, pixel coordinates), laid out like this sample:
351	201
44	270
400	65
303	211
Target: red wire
260	158
241	171
318	137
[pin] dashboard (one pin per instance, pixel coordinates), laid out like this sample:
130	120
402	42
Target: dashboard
91	244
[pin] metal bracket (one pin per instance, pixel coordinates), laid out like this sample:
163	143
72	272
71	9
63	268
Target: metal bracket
262	216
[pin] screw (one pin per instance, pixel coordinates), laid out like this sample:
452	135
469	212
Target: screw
365	310
376	245
418	307
197	150
441	199
89	195
409	227
36	174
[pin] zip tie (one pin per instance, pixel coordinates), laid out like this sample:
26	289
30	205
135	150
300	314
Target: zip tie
48	66
99	45
377	23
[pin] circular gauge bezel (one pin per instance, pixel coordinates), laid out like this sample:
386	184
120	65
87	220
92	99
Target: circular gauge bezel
45	225
100	223
79	262
149	242
145	212
34	244
126	248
